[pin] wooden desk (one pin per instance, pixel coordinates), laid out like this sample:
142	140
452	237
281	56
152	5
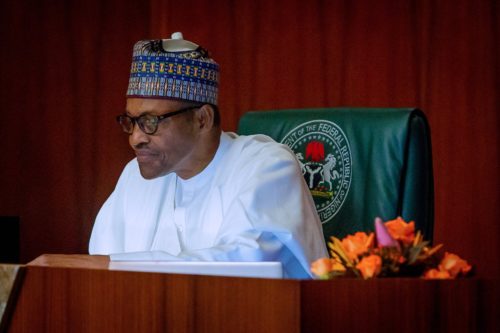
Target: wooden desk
79	294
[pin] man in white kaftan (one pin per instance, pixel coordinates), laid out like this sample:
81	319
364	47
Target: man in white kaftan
197	193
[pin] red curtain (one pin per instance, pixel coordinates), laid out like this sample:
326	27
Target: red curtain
64	69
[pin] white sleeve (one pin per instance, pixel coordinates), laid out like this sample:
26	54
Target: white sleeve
107	232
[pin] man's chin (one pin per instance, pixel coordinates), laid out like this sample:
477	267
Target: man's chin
147	173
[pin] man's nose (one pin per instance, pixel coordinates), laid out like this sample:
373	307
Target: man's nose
138	137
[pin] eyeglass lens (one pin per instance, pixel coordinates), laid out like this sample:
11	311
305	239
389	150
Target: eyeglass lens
147	123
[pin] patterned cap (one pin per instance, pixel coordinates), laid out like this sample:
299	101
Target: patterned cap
175	69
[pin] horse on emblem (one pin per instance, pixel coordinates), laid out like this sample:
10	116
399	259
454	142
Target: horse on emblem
329	173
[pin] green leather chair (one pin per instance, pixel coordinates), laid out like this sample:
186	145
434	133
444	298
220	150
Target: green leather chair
359	163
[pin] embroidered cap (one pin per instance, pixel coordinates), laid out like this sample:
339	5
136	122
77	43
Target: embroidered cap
173	68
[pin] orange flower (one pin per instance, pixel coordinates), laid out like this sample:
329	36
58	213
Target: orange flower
400	230
370	266
357	244
454	265
324	266
437	274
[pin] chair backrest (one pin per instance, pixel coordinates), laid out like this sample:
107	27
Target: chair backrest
359	163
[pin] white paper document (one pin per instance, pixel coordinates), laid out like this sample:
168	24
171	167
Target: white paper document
238	269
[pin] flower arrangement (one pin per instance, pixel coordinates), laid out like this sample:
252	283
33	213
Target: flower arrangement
394	249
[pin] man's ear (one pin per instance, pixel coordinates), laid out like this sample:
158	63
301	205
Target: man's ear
206	117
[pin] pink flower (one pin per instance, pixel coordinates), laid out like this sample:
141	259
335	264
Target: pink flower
384	238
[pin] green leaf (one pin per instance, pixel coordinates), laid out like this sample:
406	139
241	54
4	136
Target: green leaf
414	252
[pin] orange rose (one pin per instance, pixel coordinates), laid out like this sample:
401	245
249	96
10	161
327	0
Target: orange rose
324	266
357	244
454	265
370	266
400	230
436	274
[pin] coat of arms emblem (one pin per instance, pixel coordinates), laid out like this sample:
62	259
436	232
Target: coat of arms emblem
324	156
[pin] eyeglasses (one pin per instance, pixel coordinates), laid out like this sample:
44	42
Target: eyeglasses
148	123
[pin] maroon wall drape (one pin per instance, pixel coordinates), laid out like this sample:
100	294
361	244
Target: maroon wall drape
64	68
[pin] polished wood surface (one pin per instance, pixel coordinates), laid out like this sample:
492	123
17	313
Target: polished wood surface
71	261
60	294
400	305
